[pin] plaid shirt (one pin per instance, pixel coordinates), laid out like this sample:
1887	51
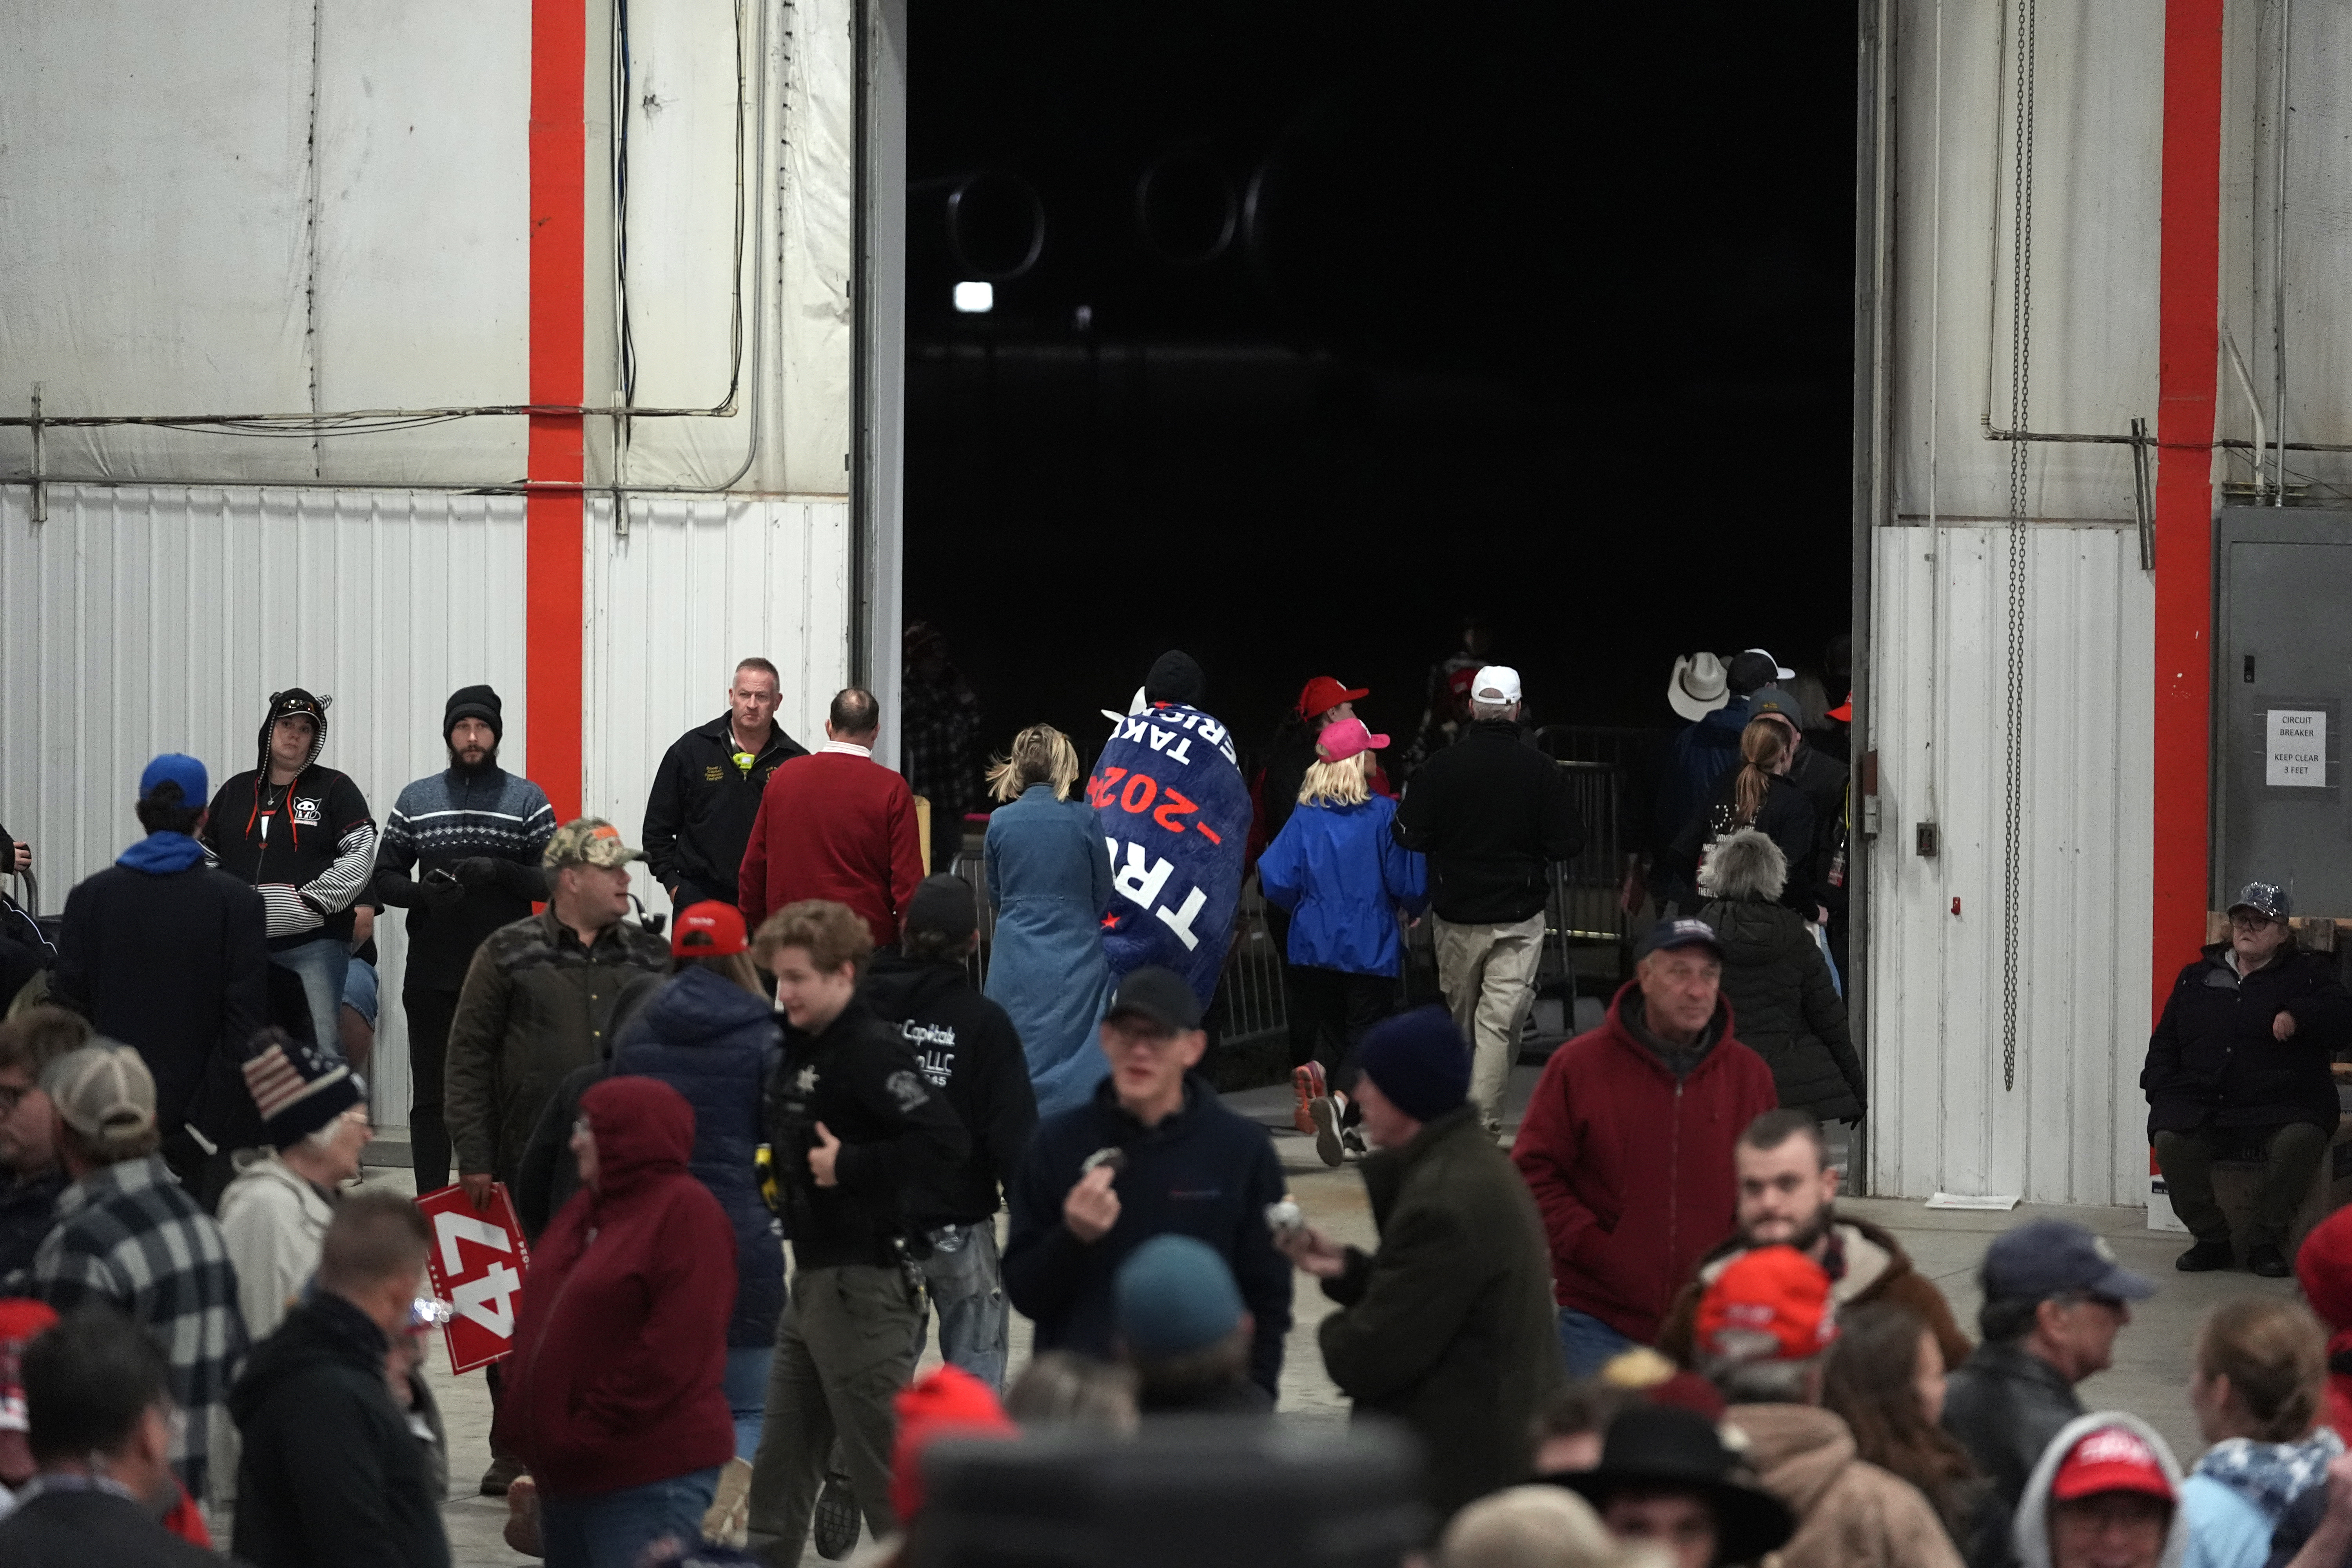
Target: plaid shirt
128	1236
939	730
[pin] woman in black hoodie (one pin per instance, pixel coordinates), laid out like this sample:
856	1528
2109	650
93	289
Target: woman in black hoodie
1783	1002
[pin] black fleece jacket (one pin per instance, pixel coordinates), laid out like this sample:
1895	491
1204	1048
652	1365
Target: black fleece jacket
970	1052
859	1078
1205	1172
2215	1058
1491	813
698	817
330	1472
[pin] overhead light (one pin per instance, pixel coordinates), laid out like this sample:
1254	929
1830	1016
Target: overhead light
975	299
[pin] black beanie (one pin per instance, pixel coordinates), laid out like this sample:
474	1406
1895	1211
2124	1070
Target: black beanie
1176	678
473	702
1418	1060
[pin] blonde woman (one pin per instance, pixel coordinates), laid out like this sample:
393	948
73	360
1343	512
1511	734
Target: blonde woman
1337	868
1049	882
1758	795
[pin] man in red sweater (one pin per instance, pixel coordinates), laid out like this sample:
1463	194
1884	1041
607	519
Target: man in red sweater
1627	1144
836	826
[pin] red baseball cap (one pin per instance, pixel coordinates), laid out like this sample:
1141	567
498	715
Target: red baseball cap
709	930
1323	694
1843	711
1769	1304
2110	1459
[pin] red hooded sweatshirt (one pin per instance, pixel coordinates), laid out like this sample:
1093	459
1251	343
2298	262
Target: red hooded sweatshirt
620	1348
2323	1267
1634	1171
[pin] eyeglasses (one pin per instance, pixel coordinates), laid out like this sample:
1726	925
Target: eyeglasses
429	1312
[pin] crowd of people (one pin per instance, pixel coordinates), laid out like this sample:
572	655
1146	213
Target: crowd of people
1639	1331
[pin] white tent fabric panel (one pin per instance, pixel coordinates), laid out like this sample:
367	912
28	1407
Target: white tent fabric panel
294	206
2071	1129
423	280
152	236
694	586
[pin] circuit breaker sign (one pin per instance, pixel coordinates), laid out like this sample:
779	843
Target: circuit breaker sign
477	1262
2297	754
1174	814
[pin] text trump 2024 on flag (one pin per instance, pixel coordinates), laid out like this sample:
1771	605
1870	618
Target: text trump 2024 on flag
1175	815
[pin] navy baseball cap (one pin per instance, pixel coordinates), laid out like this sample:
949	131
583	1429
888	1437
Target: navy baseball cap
2045	1257
2265	898
1667	936
179	768
1160	995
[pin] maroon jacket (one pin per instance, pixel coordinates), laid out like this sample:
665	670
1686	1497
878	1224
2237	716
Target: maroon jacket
1633	1171
834	826
620	1347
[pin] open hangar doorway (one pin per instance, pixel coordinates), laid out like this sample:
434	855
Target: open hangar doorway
1311	329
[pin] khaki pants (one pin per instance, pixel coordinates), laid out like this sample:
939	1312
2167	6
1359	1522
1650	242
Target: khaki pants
845	1346
1488	975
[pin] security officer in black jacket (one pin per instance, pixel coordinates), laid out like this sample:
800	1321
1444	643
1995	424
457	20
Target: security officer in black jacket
706	790
854	1127
2239	1062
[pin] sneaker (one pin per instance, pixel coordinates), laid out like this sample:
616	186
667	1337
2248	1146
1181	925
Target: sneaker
1351	1141
1306	1083
1329	1144
727	1522
2269	1262
502	1474
837	1519
2208	1256
522	1532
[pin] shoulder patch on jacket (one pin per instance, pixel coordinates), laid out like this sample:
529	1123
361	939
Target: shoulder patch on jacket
905	1088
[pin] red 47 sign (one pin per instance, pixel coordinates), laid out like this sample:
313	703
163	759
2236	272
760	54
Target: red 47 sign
477	1262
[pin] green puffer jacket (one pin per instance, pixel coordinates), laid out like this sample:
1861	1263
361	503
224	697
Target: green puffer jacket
1786	1005
1450	1326
536	1005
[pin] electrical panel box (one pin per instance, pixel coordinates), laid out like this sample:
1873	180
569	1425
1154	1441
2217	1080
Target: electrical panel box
2282	679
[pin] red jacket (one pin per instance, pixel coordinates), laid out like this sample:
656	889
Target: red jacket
618	1373
1634	1171
834	826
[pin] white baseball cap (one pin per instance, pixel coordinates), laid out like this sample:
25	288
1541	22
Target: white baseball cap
1779	672
1496	683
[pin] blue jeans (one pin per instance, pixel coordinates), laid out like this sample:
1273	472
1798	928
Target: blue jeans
967	1286
612	1530
320	965
1589	1343
747	1394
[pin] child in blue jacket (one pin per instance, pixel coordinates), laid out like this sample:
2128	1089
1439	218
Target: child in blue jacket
1339	871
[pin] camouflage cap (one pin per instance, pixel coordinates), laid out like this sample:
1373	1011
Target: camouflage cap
588	841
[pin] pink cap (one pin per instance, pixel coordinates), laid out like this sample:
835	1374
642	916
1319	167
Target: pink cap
1339	742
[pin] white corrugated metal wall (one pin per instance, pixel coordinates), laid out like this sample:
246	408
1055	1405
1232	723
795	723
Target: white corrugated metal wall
1944	1118
695	584
138	620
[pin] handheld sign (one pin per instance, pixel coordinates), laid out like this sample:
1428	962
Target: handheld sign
1175	818
478	1261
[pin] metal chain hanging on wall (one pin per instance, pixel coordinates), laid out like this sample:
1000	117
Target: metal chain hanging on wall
2021	363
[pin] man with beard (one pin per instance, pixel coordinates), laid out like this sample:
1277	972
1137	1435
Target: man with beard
1787	1195
461	854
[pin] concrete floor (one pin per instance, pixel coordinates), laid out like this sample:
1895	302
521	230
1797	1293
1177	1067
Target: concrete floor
2149	1378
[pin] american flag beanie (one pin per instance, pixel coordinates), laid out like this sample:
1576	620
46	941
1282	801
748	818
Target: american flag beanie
297	1088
